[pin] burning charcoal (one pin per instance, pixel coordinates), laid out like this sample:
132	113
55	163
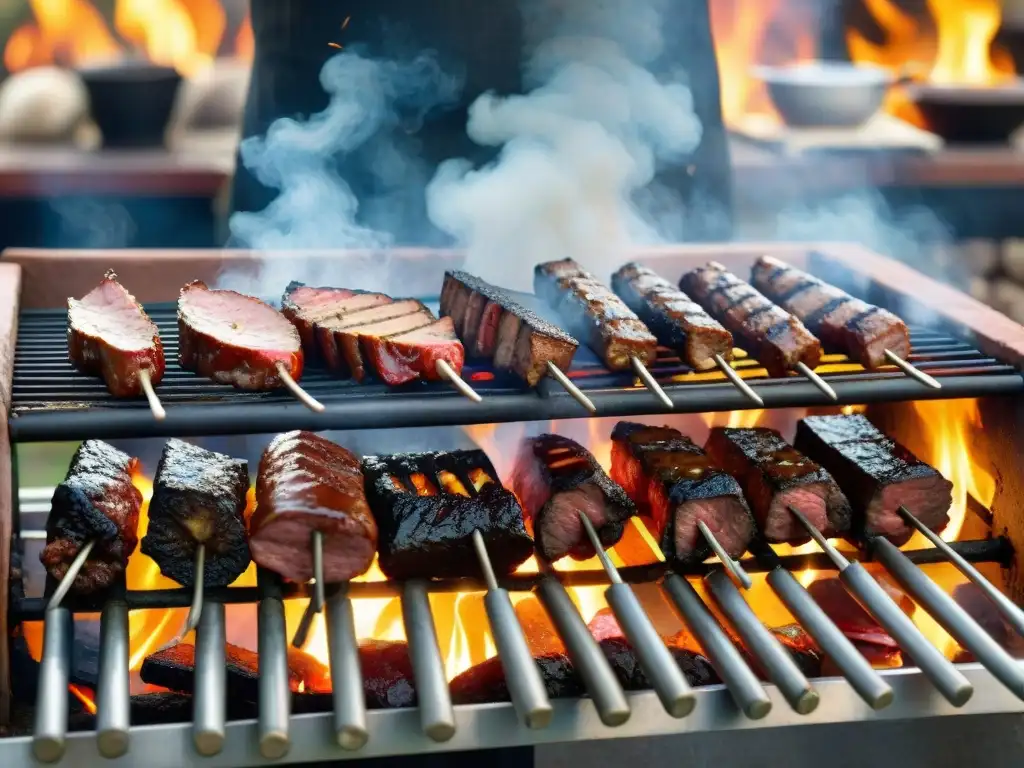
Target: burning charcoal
556	478
388	681
538	629
97	502
485	683
199	497
428	505
161	708
801	647
970	597
877	645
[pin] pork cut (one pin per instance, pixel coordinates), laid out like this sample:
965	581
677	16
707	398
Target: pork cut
415	353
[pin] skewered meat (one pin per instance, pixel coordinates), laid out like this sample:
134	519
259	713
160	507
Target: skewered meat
593	313
679	322
307	307
339	337
198	498
877	474
555	479
774	477
862	330
427	506
306	483
96	501
493	326
777	339
414	354
111	336
235	339
673	483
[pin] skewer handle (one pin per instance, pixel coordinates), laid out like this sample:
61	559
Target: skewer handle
113	694
300	394
740	576
346	673
209	714
51	722
435	702
146	383
274	691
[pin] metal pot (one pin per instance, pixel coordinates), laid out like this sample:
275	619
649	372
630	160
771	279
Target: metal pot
825	94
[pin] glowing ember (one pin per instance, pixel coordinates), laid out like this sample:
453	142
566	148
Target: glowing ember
85	696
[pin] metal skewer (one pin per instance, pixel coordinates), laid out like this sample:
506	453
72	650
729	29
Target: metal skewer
817	381
146	382
739	575
437	717
113	695
346	672
317	601
558	375
651	383
655	659
69	577
525	685
950	682
273	690
300	394
195	610
911	370
738	382
51	719
445	371
1010	611
210	703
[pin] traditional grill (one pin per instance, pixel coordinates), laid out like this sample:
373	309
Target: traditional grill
971	351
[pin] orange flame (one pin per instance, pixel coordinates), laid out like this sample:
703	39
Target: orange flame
85	696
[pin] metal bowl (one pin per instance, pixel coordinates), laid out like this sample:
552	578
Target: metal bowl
971	115
825	94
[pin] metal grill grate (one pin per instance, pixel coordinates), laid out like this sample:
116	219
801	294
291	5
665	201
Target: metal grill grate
52	401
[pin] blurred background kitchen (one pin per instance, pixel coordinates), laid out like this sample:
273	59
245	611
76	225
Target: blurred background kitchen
891	122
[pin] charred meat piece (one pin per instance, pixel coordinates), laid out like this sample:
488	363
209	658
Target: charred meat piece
493	326
679	322
427	506
777	339
593	313
306	483
774	477
235	339
111	336
414	354
862	330
96	501
388	681
674	484
556	478
877	645
877	474
198	498
485	683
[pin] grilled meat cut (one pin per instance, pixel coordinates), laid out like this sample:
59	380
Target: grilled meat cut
485	683
414	354
860	628
593	313
307	307
341	338
427	506
774	477
95	501
777	339
235	339
111	336
198	498
862	330
555	479
877	474
674	484
679	322
493	326
306	483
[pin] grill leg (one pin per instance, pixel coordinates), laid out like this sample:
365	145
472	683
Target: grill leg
52	703
210	706
113	694
274	694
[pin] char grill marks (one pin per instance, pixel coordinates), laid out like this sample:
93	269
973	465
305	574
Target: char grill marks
674	485
235	339
777	339
680	323
198	498
556	478
862	330
109	335
595	314
877	474
495	327
306	483
96	501
356	333
427	506
774	477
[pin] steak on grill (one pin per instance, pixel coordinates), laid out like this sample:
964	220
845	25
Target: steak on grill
777	339
877	474
415	353
235	339
679	322
493	326
339	337
427	506
774	477
198	498
555	479
96	501
306	483
111	336
593	313
862	330
674	484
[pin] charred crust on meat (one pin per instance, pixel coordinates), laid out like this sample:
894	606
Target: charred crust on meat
485	683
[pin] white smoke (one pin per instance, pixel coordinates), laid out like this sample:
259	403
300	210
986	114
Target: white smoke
574	150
